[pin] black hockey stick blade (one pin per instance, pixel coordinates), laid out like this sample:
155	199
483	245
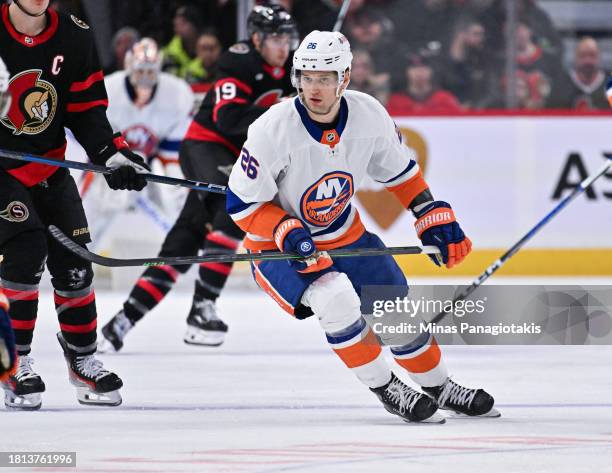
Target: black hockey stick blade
226	257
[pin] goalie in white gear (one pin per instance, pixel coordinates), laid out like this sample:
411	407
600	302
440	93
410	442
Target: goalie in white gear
291	190
153	110
5	95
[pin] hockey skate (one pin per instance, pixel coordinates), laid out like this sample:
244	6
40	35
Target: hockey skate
204	327
95	386
23	390
114	332
463	401
405	402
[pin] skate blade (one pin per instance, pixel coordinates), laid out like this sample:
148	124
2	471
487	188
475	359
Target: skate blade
435	418
87	397
493	413
196	336
104	346
27	402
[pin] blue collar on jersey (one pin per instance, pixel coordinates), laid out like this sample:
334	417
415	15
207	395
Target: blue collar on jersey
318	134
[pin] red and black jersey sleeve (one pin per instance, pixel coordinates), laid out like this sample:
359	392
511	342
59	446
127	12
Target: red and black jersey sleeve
232	94
87	101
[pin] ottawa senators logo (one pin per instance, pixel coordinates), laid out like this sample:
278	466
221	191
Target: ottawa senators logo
15	212
269	98
34	104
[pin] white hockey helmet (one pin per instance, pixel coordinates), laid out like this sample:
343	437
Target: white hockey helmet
5	94
143	63
322	51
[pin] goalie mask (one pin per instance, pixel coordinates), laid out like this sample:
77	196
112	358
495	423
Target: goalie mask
143	63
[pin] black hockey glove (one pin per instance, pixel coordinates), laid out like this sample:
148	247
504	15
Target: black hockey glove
128	168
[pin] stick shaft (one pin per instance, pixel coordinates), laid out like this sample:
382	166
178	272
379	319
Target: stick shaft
585	184
342	15
228	257
172	181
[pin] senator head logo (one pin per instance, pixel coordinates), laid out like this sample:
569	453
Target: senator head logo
325	200
34	104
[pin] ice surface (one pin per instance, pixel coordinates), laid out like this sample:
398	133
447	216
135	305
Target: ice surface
275	398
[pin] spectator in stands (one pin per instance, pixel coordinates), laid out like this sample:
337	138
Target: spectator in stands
365	79
541	81
122	42
492	14
202	70
467	70
369	29
317	14
423	23
588	77
181	50
421	93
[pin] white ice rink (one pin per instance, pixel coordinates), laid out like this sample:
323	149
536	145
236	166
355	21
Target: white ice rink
275	398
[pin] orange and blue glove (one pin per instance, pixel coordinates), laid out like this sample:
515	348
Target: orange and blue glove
436	225
8	355
291	236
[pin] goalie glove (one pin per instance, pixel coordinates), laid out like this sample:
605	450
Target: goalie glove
291	236
436	225
127	167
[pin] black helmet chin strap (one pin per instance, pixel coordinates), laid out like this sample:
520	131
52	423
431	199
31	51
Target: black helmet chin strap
33	15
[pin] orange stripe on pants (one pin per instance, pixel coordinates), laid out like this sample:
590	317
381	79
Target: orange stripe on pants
424	362
361	353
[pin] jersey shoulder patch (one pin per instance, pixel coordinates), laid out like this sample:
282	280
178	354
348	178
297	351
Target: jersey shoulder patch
240	48
80	23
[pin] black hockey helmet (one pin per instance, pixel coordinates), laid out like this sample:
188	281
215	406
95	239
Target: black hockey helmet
271	20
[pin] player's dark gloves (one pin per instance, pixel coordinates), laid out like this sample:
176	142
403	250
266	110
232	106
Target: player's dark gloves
128	168
291	236
436	225
8	355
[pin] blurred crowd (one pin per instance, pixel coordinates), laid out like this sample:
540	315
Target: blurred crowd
415	56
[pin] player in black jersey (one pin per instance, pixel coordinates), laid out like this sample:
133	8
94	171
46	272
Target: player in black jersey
55	82
253	75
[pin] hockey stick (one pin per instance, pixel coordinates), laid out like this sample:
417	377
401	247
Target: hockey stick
342	15
585	184
172	181
228	258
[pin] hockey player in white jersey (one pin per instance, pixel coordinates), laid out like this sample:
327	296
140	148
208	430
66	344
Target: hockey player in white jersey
153	110
291	190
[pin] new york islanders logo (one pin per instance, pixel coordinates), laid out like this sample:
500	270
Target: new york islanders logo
141	139
325	200
34	104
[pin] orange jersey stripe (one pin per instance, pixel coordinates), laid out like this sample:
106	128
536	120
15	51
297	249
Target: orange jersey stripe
361	353
263	221
407	191
424	362
353	234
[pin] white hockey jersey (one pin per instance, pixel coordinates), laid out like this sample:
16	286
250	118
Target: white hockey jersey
157	128
290	166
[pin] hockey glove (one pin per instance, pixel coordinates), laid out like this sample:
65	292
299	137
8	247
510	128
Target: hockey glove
128	168
8	355
291	236
436	225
